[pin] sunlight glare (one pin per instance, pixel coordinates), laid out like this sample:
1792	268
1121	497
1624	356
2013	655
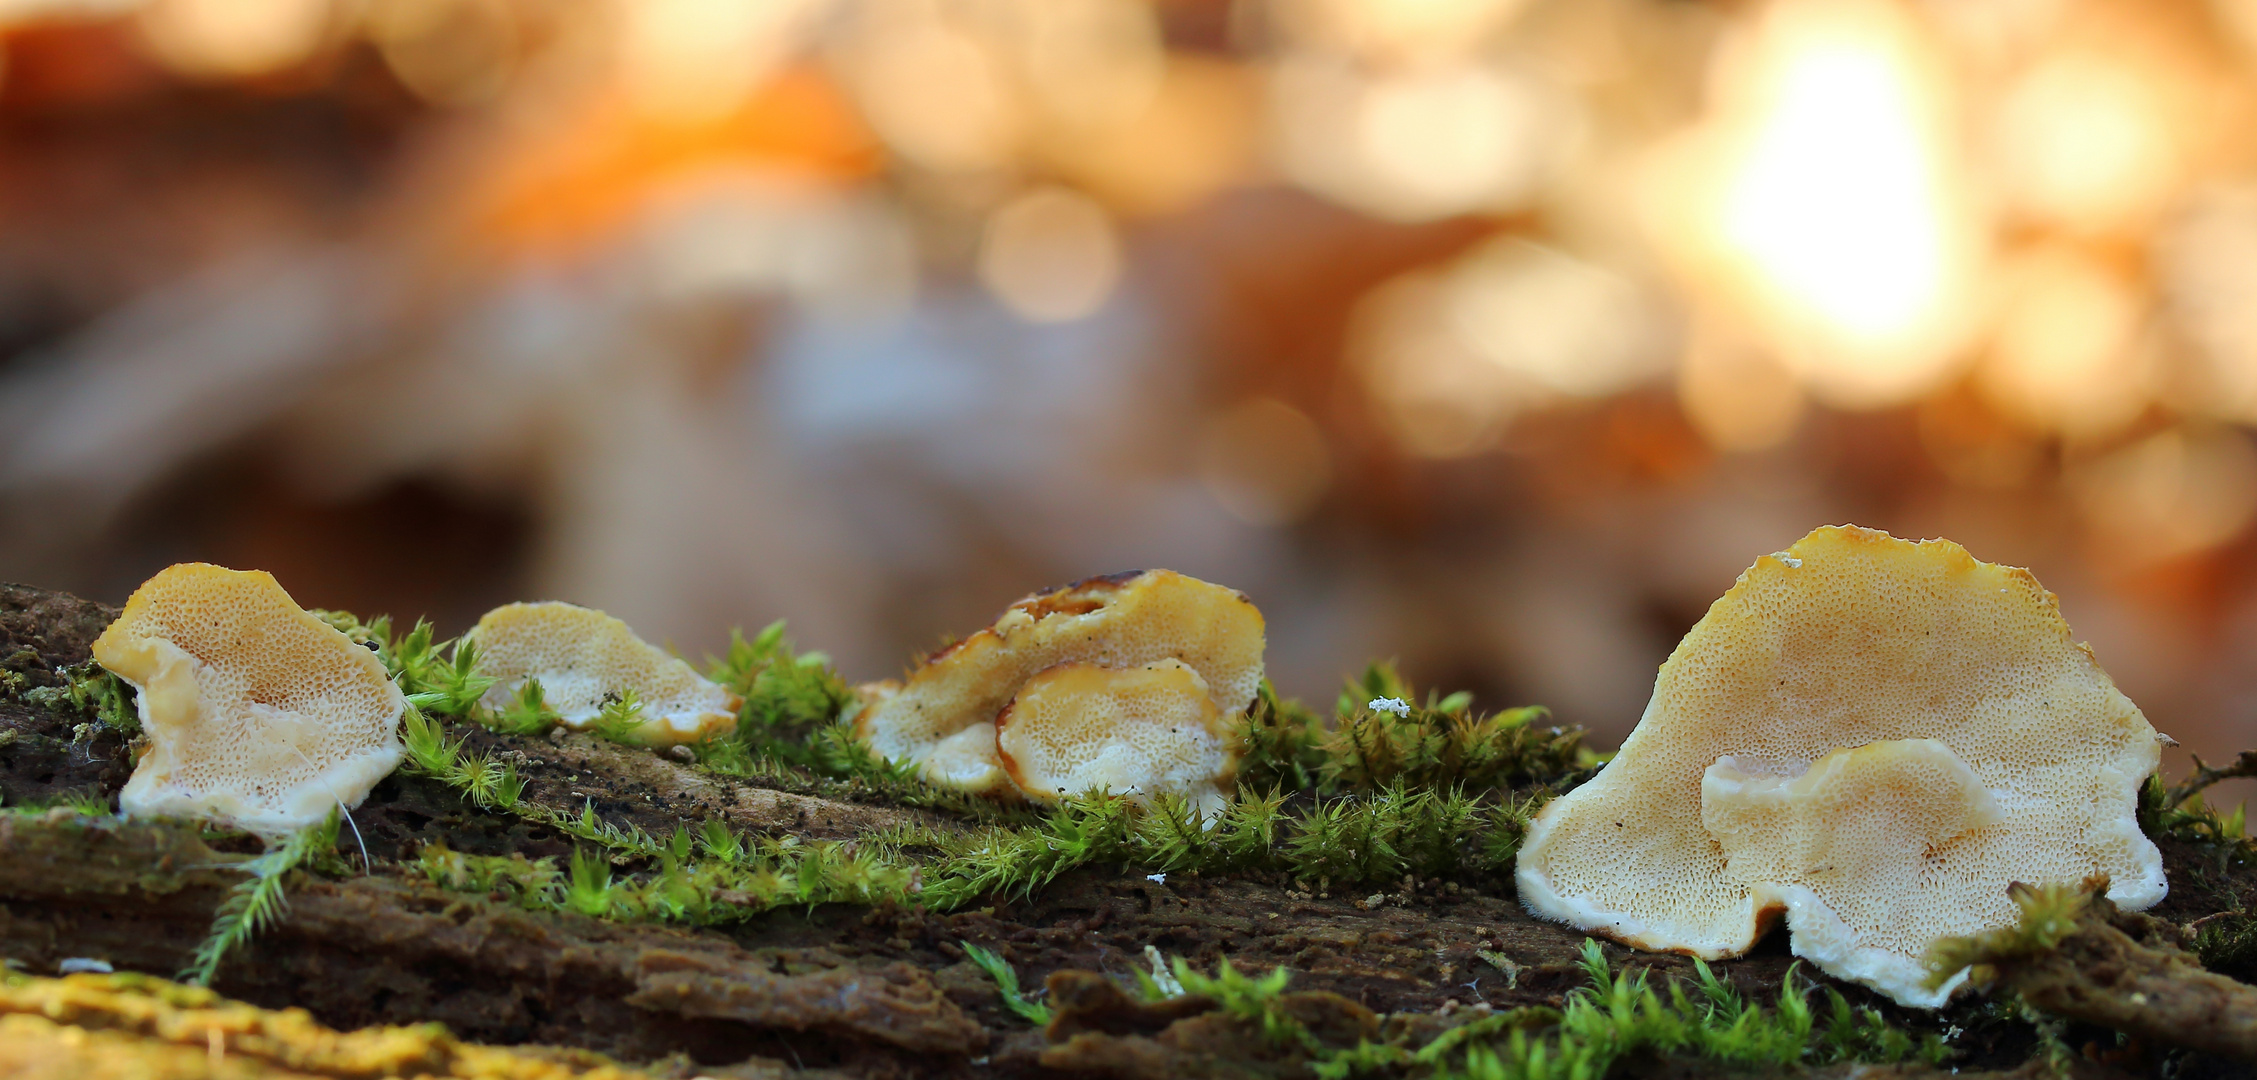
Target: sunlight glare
1836	204
1837	213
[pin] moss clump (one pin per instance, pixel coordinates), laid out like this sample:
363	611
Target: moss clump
2074	955
89	689
1619	1015
1007	985
1614	1017
1439	743
258	901
1380	795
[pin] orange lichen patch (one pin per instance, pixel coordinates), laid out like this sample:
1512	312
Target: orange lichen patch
1872	736
585	658
1118	621
130	1025
1141	731
258	713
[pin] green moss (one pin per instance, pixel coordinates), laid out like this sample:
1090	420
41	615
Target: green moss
2227	943
787	695
258	901
90	690
619	719
527	714
1281	739
1617	1015
90	802
1440	743
2048	915
1007	984
1403	794
2179	812
437	676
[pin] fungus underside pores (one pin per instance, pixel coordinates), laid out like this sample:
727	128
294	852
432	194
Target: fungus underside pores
1404	790
1873	737
1398	788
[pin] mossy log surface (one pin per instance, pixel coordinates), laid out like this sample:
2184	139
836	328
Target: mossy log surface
840	990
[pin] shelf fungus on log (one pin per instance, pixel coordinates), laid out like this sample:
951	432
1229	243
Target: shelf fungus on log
1127	682
586	659
258	713
1080	727
1873	737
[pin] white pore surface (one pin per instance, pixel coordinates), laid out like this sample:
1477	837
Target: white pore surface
1124	621
583	658
1833	843
257	713
1848	639
967	761
1142	731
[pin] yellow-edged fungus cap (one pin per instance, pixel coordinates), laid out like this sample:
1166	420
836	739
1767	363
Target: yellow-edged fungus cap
257	713
1118	621
1872	736
584	657
1141	731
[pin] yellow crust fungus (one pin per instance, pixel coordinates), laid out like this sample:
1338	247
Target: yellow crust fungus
257	713
585	658
1139	731
944	716
1873	737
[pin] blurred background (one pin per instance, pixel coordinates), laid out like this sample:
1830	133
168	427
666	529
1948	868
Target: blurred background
1494	335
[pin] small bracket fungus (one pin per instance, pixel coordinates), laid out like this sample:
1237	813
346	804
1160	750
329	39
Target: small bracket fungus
584	658
1105	631
1080	727
1873	737
258	713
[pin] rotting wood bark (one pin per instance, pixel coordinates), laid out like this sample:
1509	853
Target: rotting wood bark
565	772
2127	971
866	992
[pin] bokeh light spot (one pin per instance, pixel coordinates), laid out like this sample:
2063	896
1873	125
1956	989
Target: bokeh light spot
1050	255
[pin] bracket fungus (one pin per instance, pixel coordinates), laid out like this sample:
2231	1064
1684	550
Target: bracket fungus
257	713
1875	738
1081	727
1126	682
585	659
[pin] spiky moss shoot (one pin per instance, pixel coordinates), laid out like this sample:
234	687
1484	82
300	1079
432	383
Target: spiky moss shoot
787	695
708	878
2180	812
1614	1016
1007	985
258	901
2227	943
1282	743
438	676
1620	1014
790	737
527	714
1440	743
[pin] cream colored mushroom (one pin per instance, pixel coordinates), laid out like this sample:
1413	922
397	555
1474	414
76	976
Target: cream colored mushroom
1873	737
1139	731
258	713
585	658
943	717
